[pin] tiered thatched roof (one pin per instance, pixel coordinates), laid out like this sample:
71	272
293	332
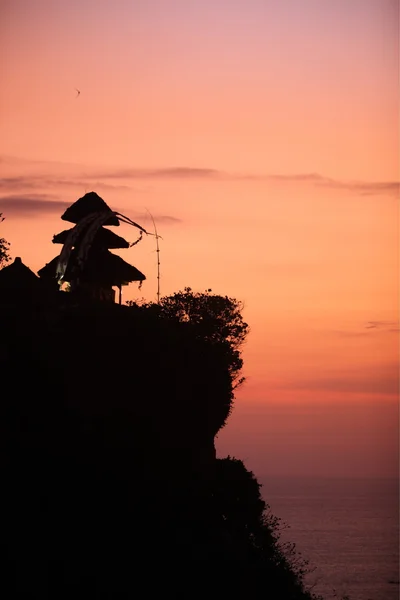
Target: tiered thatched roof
89	203
104	238
101	267
109	269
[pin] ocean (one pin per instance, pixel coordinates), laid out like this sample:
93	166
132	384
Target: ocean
348	529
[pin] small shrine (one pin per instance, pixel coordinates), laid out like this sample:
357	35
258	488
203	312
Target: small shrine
85	262
18	281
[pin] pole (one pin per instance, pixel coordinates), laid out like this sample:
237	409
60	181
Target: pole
158	256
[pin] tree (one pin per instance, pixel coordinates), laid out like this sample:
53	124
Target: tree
4	247
253	533
213	318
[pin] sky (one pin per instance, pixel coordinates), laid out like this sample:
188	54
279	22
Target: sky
263	137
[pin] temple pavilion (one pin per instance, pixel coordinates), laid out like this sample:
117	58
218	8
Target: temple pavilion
85	262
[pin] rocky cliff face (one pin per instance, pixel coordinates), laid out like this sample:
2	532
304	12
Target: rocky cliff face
120	381
103	410
110	483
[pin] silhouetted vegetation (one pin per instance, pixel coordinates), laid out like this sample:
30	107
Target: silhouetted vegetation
111	484
4	248
215	319
268	566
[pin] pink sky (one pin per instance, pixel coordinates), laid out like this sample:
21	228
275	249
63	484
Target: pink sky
263	137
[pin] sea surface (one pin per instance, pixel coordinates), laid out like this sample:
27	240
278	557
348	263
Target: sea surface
348	529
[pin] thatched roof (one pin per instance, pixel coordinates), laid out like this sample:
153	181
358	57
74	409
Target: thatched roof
49	271
90	202
103	268
103	237
121	271
18	277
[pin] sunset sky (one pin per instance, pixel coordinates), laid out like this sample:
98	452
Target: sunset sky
264	138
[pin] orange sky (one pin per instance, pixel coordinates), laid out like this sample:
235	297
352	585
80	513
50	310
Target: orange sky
263	137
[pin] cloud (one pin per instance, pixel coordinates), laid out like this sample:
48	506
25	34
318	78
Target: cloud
387	325
369	329
300	177
369	188
37	182
365	188
162	173
17	183
192	173
382	380
140	217
31	205
85	177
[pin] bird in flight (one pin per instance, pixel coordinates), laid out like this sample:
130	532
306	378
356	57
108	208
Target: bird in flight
78	93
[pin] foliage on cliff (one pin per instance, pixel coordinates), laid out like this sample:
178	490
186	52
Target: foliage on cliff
266	565
216	320
4	248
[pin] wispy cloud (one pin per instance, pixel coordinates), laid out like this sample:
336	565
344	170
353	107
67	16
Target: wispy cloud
162	173
365	188
90	176
370	188
294	177
191	173
35	205
37	182
10	184
382	380
31	205
383	325
140	217
368	329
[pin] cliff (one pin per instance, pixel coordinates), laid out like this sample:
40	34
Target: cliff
112	488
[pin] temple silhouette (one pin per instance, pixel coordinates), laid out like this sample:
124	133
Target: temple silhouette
85	262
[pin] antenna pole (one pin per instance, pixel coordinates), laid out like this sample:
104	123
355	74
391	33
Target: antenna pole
158	255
